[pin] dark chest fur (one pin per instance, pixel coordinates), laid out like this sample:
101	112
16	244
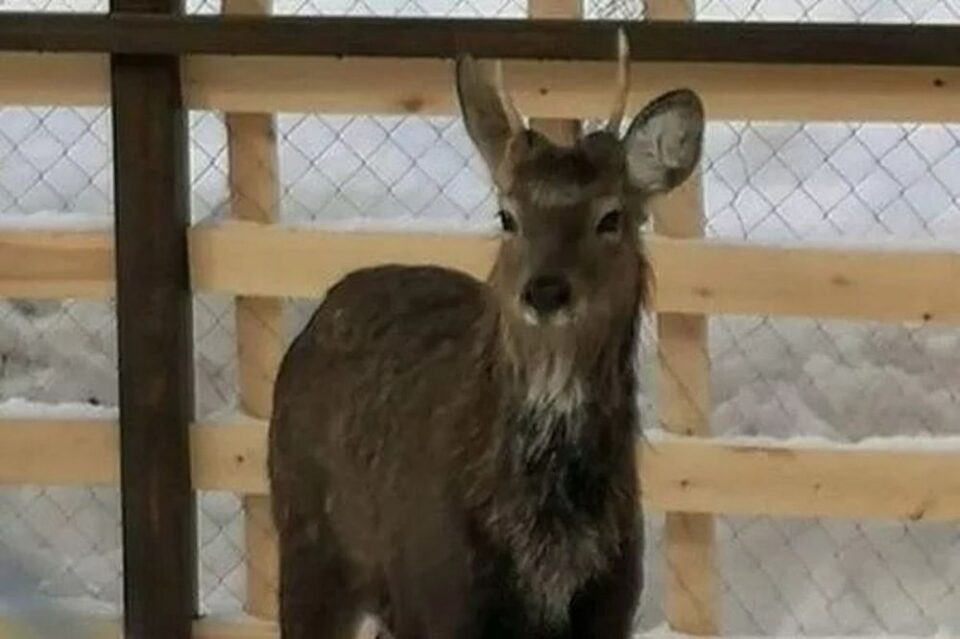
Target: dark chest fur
564	500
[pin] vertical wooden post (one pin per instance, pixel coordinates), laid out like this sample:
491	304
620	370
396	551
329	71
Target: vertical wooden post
254	197
155	341
560	131
684	400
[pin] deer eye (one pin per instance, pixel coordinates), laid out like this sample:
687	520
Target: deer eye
610	223
507	221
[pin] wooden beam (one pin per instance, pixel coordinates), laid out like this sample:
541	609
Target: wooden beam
692	276
841	282
692	603
571	39
155	341
698	277
56	264
38	79
550	89
561	131
558	89
254	197
93	627
916	480
793	480
59	452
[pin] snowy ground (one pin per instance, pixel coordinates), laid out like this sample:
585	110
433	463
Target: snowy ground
844	382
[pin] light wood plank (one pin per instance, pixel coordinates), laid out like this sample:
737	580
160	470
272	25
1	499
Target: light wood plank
96	628
254	197
692	276
56	264
298	262
692	603
737	478
54	79
697	475
552	89
842	282
59	452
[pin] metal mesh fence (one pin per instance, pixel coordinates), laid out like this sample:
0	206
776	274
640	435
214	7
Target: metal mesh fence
882	183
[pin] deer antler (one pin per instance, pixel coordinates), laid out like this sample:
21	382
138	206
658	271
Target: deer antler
623	82
514	118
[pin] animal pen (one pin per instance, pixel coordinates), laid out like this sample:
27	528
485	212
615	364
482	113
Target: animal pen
825	369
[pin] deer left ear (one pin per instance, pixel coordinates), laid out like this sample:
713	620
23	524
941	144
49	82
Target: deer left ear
663	144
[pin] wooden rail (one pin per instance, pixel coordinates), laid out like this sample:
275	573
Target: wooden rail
920	481
547	39
692	276
558	89
94	628
56	264
154	338
708	277
255	197
691	600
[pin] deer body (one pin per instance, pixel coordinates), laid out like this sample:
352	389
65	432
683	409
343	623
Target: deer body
457	457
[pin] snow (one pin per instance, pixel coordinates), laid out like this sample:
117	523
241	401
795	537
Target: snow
16	408
55	221
902	443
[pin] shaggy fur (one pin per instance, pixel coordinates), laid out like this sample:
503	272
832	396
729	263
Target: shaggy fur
454	461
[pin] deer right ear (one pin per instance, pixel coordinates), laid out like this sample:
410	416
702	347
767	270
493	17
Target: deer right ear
488	114
664	141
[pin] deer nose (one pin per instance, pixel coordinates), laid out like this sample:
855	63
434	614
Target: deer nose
547	294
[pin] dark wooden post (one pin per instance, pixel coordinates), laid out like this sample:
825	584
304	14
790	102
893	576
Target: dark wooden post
154	324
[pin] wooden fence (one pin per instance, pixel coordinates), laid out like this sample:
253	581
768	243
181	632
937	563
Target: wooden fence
151	65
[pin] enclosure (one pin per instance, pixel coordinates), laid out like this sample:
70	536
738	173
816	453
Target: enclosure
178	188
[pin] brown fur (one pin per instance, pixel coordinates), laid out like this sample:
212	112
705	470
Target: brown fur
453	463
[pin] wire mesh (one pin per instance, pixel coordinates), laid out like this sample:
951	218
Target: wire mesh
782	378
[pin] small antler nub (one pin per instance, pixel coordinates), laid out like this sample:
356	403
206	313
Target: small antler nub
623	83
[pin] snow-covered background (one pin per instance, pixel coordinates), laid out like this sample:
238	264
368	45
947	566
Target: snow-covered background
869	182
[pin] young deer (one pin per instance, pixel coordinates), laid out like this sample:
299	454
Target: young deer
457	457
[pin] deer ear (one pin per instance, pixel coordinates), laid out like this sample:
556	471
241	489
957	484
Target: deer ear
663	143
489	117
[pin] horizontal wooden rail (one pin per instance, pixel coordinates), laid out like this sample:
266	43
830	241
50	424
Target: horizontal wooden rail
737	478
96	628
692	276
59	452
56	264
700	277
711	277
784	43
678	475
731	91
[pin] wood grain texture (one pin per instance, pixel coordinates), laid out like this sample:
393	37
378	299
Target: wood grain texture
254	197
56	264
693	276
683	399
155	342
551	39
552	89
696	475
97	628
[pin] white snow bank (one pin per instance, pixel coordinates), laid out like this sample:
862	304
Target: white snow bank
56	221
897	442
25	409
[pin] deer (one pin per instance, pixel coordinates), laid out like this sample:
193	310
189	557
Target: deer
455	457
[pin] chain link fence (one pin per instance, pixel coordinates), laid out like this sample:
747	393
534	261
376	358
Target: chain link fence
772	377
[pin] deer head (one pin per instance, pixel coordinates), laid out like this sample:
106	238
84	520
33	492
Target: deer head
570	214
